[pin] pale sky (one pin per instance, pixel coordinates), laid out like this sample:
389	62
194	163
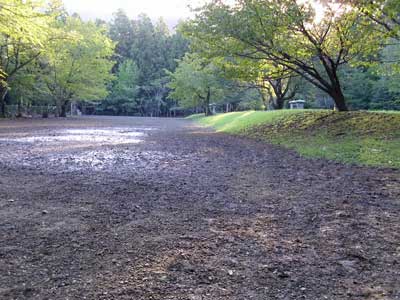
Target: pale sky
170	10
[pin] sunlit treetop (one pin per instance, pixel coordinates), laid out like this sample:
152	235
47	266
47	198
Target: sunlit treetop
27	20
384	13
289	34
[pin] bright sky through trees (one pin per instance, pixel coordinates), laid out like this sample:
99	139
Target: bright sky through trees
337	47
170	10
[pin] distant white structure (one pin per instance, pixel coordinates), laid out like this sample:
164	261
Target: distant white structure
75	111
297	104
213	108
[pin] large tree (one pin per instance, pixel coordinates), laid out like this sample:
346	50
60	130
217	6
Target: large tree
276	84
121	32
286	33
24	35
123	96
78	67
154	50
195	83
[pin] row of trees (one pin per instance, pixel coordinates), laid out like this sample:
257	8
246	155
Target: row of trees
55	59
145	51
50	57
253	54
349	52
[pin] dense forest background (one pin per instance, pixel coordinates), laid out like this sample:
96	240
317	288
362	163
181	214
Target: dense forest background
53	62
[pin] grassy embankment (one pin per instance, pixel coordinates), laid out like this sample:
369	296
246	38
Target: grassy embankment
364	138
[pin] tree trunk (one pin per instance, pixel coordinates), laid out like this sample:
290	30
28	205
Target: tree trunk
279	103
281	89
207	103
63	113
207	109
3	93
334	89
62	109
338	98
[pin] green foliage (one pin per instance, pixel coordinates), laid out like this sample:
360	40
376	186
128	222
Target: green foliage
359	85
275	84
153	49
147	50
195	82
121	32
384	13
28	87
286	33
251	104
78	63
126	83
375	86
389	66
24	34
199	82
123	99
366	138
255	54
26	21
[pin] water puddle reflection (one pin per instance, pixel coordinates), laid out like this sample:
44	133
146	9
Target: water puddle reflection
110	159
112	136
81	149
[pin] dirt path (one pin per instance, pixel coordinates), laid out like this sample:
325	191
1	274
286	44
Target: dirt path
125	208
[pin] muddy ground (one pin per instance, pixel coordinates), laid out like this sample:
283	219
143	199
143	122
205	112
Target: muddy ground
126	208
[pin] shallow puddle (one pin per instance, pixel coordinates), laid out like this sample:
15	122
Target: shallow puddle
70	150
107	160
112	136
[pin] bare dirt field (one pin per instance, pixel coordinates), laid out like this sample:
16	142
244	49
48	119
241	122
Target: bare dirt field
130	208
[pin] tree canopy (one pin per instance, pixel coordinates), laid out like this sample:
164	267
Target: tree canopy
77	64
24	33
286	33
195	82
231	55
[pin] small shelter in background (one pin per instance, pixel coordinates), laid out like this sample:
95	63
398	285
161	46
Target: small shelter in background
213	108
297	104
75	111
